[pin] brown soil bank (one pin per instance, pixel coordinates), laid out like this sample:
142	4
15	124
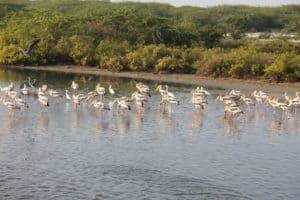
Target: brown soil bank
226	83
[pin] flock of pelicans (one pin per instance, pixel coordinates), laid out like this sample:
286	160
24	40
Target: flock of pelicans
12	99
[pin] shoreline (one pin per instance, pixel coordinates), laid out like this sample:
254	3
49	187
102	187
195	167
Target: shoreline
188	79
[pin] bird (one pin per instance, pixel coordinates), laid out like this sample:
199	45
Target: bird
21	102
140	98
111	90
121	103
74	86
142	88
25	90
100	90
53	93
43	100
27	51
99	105
67	95
8	88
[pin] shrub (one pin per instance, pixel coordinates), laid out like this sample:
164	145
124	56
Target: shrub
286	67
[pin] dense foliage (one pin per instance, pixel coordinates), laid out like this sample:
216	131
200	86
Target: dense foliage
152	37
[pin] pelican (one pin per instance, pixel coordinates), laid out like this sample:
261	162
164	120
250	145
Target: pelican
111	90
40	92
76	100
43	100
169	94
123	104
139	98
44	88
298	95
21	102
247	101
8	88
27	52
100	90
198	100
200	91
25	90
99	105
67	95
228	97
232	111
74	86
12	94
91	95
161	90
10	105
142	88
54	93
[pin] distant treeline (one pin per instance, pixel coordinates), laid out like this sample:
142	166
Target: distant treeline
152	37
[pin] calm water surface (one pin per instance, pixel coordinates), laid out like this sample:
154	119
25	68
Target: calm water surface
64	153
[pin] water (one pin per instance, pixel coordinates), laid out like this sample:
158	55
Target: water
61	153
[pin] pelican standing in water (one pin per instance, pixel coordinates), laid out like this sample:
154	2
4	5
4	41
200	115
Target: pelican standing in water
100	90
43	100
8	88
25	90
142	88
121	103
21	102
111	90
67	95
75	86
140	99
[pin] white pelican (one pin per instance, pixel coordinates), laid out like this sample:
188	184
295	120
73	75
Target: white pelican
123	104
12	94
161	90
10	105
100	90
198	101
43	100
75	86
247	101
67	95
139	98
25	90
8	88
99	105
111	90
142	88
54	93
76	100
21	102
44	88
232	111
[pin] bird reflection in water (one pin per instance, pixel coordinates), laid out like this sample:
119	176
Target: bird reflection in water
138	118
122	122
101	123
167	120
197	119
231	128
15	119
42	121
75	118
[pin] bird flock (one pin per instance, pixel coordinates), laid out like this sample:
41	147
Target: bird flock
232	100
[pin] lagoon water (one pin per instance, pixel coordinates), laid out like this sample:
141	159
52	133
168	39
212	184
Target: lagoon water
64	153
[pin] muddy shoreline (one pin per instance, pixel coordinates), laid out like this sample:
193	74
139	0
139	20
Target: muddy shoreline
190	79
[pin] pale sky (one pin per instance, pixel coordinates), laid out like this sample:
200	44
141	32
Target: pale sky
206	3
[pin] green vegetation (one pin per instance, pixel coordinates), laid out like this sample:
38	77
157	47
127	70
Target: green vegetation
153	37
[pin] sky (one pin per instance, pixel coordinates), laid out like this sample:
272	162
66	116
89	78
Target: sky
207	3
